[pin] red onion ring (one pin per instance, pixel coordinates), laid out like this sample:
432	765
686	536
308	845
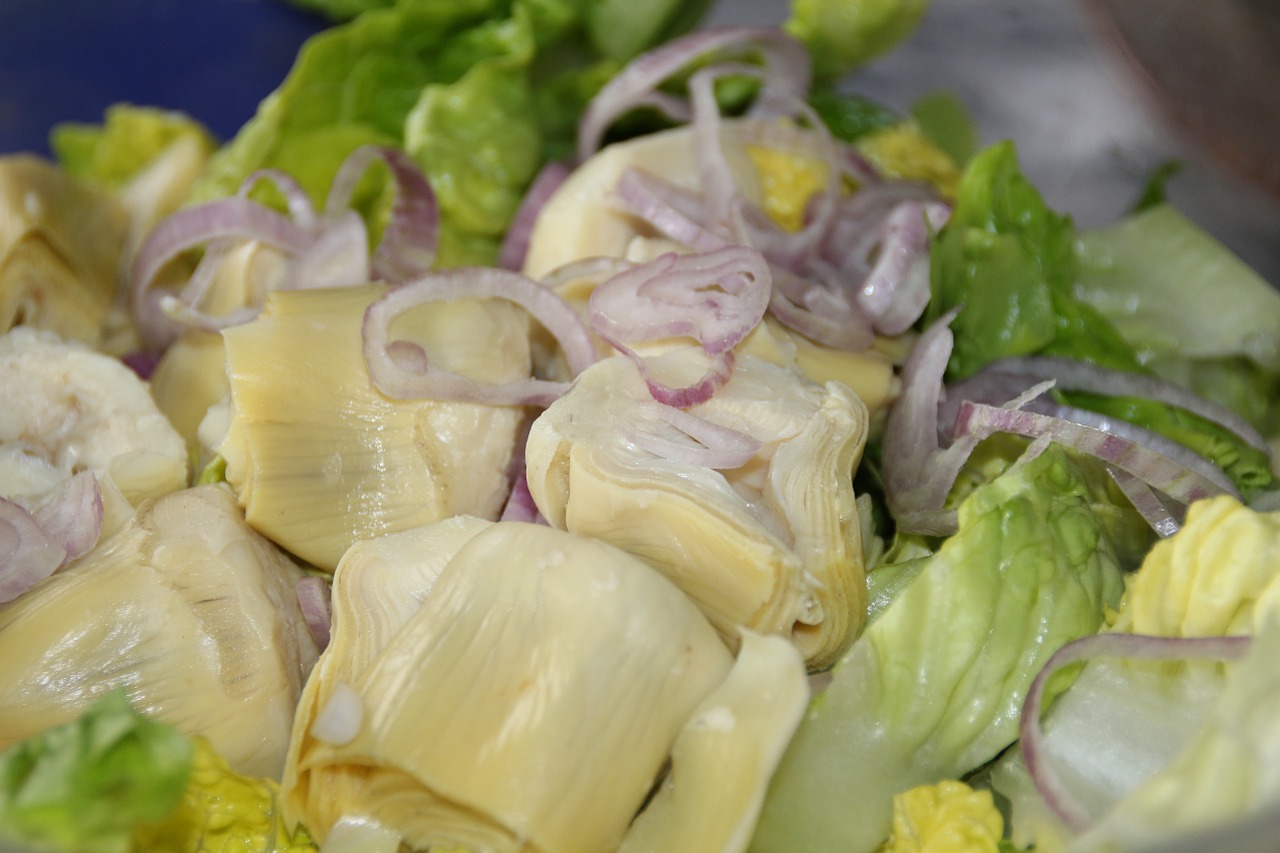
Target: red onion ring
1139	646
408	244
403	372
36	541
515	244
1074	375
1171	470
1147	503
714	297
718	447
896	290
315	601
28	554
326	251
786	59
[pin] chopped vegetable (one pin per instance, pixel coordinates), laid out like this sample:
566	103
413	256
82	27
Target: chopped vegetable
87	785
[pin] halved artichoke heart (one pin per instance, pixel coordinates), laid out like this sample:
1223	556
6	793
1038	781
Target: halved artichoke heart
189	610
773	546
60	244
511	687
320	458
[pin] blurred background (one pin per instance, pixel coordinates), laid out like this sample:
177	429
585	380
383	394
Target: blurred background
1035	71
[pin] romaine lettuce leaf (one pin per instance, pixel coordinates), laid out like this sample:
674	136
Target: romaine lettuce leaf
1027	287
934	687
84	787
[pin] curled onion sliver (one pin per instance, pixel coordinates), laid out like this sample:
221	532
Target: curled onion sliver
317	608
515	244
1075	375
637	84
415	378
28	554
1167	469
1140	646
715	446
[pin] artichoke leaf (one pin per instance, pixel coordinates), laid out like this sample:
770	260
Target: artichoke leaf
528	703
319	458
773	545
60	245
196	617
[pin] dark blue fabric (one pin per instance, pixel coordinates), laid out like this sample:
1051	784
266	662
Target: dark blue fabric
67	60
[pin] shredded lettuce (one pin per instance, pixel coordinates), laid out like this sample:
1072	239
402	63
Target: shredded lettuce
934	686
85	786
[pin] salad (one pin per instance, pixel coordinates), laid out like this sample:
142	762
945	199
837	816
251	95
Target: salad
549	426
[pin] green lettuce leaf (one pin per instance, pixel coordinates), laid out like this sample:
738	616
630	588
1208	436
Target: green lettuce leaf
83	787
127	141
1029	284
934	687
844	34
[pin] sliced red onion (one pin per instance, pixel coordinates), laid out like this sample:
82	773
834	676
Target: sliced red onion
717	298
316	603
918	474
798	304
717	375
1075	375
338	256
415	378
713	446
786	59
1147	503
227	218
409	241
515	245
28	554
327	251
671	210
895	292
597	268
72	514
714	297
1136	646
298	203
520	505
1172	469
141	362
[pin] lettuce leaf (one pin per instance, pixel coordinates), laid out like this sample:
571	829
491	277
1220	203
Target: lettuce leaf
844	34
127	141
934	687
1030	285
83	787
456	83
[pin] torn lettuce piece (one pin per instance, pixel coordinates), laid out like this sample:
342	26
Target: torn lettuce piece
844	34
1018	270
85	786
129	139
934	687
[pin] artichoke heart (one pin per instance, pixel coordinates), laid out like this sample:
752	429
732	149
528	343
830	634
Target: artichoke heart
773	545
65	408
528	703
194	614
319	458
583	219
60	245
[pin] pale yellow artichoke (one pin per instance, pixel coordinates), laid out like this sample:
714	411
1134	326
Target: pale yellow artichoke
772	545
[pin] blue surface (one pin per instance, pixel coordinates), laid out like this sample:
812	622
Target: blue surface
68	60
